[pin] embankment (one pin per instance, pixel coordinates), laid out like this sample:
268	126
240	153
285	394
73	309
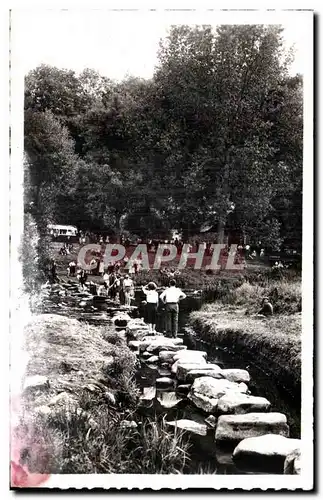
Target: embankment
273	343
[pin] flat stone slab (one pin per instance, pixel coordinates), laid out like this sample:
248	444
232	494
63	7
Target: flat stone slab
211	371
148	393
162	338
238	427
190	355
156	347
153	359
266	453
196	365
206	391
236	375
183	389
242	403
189	426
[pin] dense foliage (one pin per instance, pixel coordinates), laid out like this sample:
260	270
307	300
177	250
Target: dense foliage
214	137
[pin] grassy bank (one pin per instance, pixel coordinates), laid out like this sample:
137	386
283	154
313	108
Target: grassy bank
274	343
85	420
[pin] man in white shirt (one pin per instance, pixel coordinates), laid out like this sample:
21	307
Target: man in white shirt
171	297
128	290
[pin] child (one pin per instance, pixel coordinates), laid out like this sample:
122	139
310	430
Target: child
151	305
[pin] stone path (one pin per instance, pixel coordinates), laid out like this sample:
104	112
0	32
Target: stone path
212	405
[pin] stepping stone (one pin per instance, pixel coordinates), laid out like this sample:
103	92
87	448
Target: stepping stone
236	375
164	382
148	393
242	403
235	428
206	391
189	355
264	453
169	400
190	426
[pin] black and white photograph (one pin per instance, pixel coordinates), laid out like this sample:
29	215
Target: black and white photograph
161	228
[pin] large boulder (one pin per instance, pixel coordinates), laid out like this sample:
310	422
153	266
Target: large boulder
235	428
206	391
292	464
185	372
166	356
236	375
265	453
238	403
148	393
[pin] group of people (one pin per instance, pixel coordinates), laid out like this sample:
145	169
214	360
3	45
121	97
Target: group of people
66	249
119	287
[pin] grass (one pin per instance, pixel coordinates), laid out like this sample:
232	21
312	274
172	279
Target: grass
94	441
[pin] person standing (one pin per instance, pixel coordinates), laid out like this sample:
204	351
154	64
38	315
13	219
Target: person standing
128	290
72	268
151	305
171	297
53	271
